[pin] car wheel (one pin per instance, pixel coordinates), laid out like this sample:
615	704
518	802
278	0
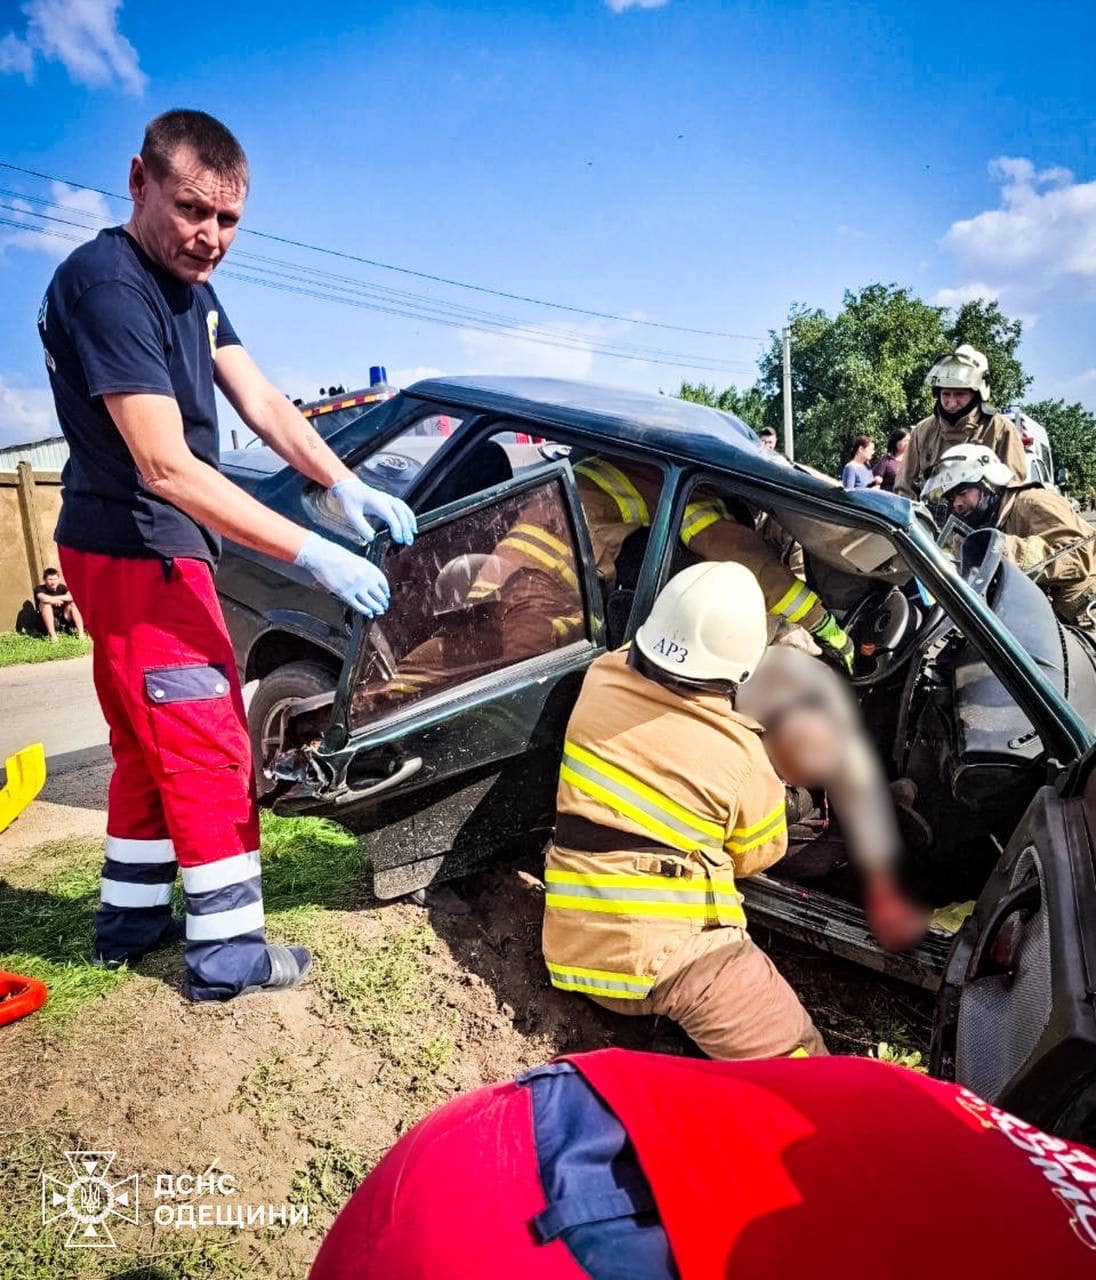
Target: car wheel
275	690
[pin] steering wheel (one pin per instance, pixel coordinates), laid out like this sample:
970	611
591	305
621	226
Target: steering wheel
884	628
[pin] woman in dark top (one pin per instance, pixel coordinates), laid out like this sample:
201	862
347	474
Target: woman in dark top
887	466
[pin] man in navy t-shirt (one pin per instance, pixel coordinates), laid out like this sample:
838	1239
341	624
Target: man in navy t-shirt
135	342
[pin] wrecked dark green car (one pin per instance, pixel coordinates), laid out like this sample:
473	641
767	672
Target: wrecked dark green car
967	681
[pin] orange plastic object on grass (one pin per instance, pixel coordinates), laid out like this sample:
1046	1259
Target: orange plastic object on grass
19	996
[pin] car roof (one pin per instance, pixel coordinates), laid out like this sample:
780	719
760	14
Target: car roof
656	421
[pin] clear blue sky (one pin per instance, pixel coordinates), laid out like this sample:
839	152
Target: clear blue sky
691	162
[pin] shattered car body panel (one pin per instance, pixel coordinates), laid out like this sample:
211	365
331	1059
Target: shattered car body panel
440	735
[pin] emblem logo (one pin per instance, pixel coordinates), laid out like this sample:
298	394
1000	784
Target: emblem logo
90	1199
213	319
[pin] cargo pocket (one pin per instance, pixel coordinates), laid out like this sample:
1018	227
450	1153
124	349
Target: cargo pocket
725	902
194	720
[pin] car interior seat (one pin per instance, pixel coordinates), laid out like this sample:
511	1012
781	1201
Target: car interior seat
619	600
482	467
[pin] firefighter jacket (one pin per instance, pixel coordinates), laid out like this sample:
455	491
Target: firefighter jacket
616	503
664	798
525	600
933	436
1036	523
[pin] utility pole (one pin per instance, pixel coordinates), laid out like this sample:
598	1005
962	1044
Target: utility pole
789	445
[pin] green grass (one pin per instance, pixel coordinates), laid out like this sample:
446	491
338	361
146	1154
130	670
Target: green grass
328	1180
47	906
16	647
48	902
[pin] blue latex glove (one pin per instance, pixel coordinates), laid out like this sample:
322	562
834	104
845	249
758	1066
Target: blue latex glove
357	500
350	577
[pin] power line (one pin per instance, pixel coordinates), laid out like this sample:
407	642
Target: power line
422	275
362	295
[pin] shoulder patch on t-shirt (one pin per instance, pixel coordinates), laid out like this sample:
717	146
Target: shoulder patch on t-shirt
213	319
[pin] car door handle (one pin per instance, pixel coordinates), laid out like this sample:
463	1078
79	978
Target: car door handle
408	769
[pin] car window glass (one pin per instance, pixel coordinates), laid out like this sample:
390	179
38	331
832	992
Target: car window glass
394	466
472	596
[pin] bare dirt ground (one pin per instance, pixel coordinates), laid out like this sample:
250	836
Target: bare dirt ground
296	1096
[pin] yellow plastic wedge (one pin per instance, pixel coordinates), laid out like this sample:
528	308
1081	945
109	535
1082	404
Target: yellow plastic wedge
26	777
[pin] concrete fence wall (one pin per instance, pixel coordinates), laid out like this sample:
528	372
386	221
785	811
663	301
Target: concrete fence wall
29	503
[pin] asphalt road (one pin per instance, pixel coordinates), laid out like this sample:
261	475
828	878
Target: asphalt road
53	703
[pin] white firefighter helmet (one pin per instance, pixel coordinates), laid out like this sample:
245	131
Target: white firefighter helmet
708	623
454	583
963	369
964	464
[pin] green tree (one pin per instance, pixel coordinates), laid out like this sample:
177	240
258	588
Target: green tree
860	371
1072	432
983	325
747	404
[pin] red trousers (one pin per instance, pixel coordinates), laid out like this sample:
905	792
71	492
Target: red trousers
166	680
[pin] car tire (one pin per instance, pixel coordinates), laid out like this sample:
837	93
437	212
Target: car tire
282	685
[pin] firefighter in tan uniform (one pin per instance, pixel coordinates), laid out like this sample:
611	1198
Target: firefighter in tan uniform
1044	536
961	389
666	798
522	600
617	502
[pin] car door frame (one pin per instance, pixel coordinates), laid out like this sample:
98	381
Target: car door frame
334	781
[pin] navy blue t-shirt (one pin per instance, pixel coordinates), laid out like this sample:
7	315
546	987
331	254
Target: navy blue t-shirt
112	321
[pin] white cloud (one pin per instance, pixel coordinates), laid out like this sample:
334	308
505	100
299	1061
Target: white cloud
1040	241
965	293
87	208
618	6
83	36
16	56
26	413
511	352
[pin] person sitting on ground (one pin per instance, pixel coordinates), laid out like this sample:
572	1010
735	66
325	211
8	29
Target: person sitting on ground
618	1165
1043	534
887	467
962	416
858	473
55	602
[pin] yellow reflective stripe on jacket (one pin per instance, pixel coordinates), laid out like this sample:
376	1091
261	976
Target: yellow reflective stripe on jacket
567	626
613	481
647	897
796	602
700	516
669	822
600	982
542	535
528	540
743	839
481	590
